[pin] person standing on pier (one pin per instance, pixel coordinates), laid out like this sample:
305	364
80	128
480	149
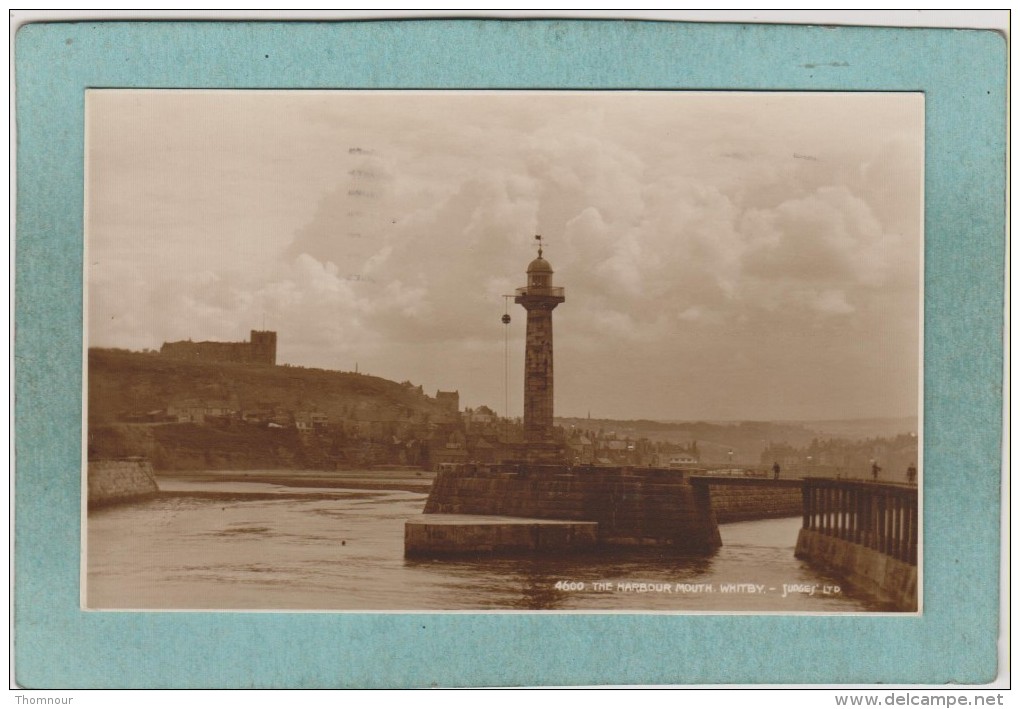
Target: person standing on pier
911	473
875	470
775	470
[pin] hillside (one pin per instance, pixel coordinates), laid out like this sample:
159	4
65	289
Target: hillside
185	415
122	384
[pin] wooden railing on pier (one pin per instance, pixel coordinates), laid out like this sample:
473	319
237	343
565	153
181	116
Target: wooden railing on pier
880	516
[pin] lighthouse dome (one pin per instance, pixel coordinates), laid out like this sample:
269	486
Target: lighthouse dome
539	265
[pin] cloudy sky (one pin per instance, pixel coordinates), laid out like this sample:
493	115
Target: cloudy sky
724	255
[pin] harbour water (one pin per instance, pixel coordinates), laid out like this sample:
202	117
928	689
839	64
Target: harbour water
221	541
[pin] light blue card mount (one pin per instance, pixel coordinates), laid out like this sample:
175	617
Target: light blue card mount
962	75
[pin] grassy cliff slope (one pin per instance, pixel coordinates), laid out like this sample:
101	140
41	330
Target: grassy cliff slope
121	383
125	389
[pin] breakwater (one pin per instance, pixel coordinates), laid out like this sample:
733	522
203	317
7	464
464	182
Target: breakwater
113	481
631	506
745	499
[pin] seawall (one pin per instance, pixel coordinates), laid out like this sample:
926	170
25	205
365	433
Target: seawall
632	506
877	573
745	499
113	481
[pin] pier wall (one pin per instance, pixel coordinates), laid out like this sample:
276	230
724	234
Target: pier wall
866	531
883	576
112	481
632	506
746	499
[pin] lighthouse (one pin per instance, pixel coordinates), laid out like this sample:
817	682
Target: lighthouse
539	298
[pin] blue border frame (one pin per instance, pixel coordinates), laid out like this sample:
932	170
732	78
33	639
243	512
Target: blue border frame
963	76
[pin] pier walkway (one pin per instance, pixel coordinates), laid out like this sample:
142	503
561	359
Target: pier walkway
866	531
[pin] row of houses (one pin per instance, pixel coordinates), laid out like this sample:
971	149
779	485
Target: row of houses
847	458
227	413
438	434
477	435
600	448
261	414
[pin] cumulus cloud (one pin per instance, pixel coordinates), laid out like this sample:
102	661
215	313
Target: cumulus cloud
388	229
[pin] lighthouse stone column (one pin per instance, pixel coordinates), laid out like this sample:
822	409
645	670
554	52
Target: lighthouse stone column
539	298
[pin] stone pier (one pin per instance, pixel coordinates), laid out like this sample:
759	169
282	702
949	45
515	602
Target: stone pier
113	481
623	506
743	499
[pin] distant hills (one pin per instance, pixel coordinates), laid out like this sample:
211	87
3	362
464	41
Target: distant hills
122	383
187	414
746	439
857	429
793	432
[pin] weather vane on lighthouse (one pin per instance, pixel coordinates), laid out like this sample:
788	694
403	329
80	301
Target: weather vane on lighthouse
538	238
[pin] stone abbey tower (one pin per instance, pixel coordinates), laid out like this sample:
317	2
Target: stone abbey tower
261	349
539	298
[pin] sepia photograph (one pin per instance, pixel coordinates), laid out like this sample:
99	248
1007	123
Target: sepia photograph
321	374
